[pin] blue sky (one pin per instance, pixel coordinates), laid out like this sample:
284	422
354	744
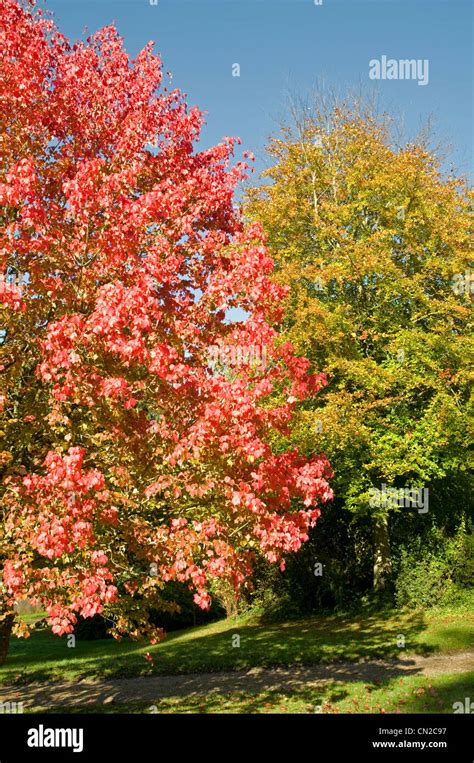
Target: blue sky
284	45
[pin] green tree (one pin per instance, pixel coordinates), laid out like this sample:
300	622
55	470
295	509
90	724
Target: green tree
372	241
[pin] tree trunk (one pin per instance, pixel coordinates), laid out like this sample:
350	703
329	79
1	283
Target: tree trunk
6	626
382	554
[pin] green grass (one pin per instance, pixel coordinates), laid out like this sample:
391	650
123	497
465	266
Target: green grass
32	617
411	694
44	657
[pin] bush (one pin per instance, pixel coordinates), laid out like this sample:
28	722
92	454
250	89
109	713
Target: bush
433	567
341	543
271	600
422	582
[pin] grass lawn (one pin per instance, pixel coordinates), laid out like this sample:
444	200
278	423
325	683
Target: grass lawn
411	694
44	657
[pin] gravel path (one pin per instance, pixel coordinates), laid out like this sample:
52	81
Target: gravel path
150	689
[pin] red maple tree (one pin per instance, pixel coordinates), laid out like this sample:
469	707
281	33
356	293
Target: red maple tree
128	458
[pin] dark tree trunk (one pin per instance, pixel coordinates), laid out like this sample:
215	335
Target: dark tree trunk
6	626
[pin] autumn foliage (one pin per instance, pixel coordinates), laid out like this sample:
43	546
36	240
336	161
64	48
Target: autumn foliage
127	459
374	242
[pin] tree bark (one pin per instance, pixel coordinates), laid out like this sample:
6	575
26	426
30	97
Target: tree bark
382	554
6	626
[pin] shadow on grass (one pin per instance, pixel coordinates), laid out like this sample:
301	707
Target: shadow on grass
44	657
442	696
328	639
294	679
418	695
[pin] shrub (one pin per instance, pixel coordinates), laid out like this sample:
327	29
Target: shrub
433	568
341	544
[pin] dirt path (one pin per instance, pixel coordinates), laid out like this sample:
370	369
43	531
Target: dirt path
150	689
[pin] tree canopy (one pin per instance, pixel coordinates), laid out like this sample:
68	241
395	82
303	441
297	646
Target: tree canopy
129	459
373	241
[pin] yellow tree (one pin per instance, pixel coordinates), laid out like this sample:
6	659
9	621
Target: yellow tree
373	242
